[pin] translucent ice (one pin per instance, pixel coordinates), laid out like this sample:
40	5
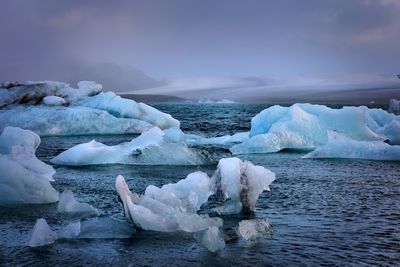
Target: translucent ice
394	106
102	227
70	206
42	234
340	146
254	229
211	238
23	177
90	110
306	126
151	147
240	183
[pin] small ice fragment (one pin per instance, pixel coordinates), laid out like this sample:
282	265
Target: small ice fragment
72	230
42	234
69	205
254	229
211	239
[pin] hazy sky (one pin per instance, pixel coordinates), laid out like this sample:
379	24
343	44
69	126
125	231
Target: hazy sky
180	38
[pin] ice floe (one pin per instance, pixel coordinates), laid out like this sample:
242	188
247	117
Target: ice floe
211	238
62	110
153	147
70	206
306	126
23	177
340	146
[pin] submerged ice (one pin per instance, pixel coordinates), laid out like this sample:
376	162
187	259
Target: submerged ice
23	177
62	110
94	228
153	147
254	229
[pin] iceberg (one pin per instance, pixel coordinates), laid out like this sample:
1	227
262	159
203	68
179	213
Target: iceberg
70	206
305	127
211	239
254	229
42	234
23	177
48	108
226	140
152	147
340	146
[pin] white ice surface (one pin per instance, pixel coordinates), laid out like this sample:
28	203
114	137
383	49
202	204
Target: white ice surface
340	146
23	177
153	147
70	206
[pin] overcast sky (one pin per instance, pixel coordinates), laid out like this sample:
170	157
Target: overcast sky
47	39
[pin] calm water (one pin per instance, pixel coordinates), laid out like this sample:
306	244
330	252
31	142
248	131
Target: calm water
323	212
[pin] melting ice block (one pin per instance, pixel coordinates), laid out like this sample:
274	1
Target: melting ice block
42	234
254	229
306	126
240	183
23	177
211	239
153	147
340	146
89	111
70	206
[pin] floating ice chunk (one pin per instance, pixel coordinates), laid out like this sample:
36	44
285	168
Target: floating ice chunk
306	126
42	234
70	206
160	209
211	239
53	100
340	146
254	229
93	228
23	177
91	111
240	183
173	206
149	148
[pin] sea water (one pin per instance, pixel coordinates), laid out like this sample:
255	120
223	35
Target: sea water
331	211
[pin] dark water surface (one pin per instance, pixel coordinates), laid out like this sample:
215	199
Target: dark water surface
323	212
